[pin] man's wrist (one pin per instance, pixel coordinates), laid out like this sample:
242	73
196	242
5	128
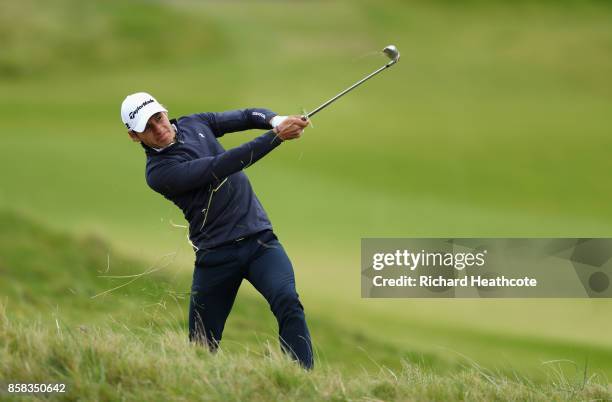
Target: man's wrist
276	120
275	138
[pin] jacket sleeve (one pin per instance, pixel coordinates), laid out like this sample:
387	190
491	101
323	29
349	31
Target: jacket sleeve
237	120
174	177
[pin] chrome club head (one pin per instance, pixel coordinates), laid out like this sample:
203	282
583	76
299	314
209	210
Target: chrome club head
392	53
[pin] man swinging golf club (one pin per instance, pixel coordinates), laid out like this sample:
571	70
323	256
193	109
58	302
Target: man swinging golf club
228	227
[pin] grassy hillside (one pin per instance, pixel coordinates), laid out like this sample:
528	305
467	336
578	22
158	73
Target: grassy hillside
55	278
494	123
83	281
131	343
99	364
42	38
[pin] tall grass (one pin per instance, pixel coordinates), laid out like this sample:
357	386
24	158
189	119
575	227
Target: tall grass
132	345
98	363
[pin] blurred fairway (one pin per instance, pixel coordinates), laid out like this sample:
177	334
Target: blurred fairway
494	123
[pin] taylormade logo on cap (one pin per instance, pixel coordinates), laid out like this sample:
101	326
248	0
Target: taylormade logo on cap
136	110
132	114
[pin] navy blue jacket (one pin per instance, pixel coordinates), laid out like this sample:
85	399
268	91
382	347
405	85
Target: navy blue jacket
206	181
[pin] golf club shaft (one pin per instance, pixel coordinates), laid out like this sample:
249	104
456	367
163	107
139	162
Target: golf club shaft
355	85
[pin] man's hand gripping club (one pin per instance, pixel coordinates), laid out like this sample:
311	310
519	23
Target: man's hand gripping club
291	127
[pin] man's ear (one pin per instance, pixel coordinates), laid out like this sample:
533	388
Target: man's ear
133	136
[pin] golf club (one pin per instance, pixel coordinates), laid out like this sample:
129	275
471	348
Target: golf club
390	51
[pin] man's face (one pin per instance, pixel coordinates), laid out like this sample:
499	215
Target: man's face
158	132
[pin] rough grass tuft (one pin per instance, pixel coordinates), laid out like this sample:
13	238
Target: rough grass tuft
109	364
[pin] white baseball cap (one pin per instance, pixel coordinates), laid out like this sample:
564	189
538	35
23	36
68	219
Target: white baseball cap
136	110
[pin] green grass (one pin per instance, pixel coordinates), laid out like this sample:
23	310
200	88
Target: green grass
484	128
131	343
53	276
494	123
41	38
100	364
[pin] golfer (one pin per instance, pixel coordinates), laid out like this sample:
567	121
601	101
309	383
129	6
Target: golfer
228	227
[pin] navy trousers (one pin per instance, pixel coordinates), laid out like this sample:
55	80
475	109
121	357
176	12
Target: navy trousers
261	260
